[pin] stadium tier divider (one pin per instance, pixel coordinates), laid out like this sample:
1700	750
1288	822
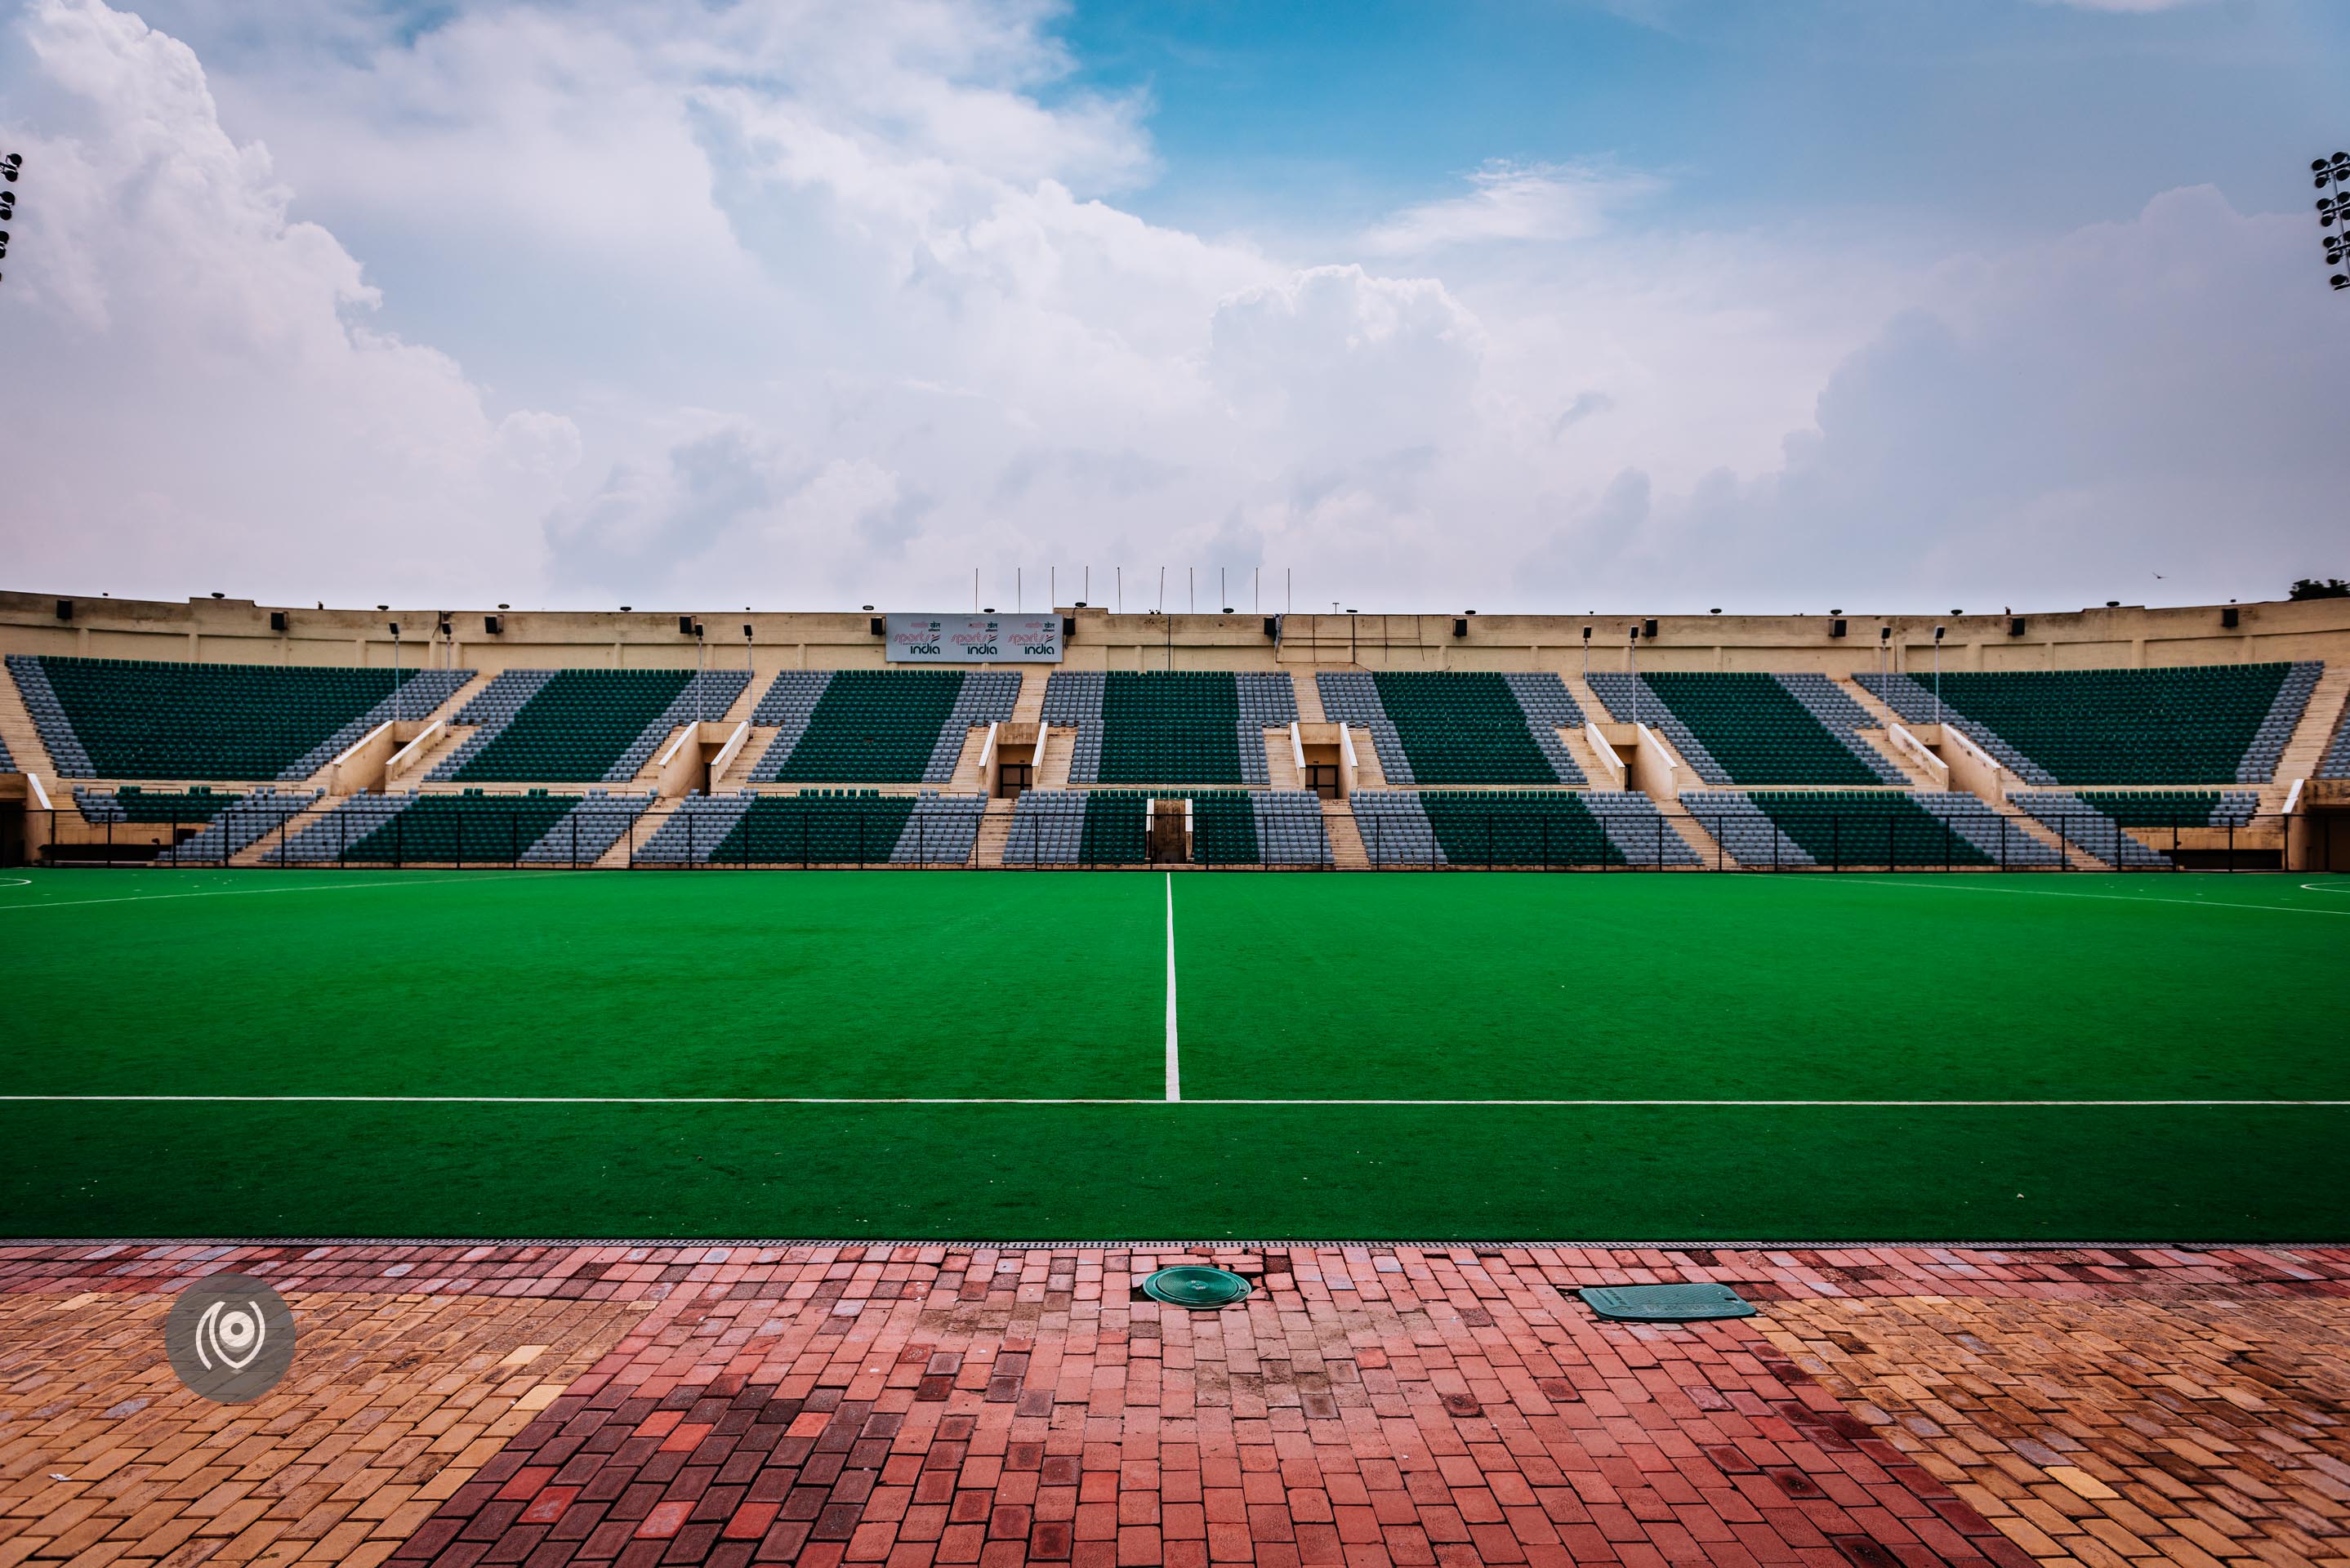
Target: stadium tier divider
1169	727
818	827
1459	727
2171	724
579	726
1111	827
877	726
120	718
471	828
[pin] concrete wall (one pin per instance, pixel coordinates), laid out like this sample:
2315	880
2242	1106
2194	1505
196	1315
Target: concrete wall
237	631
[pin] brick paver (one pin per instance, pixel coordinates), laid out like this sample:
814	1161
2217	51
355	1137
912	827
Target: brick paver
852	1405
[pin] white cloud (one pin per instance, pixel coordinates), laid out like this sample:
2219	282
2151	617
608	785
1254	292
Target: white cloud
811	304
1506	201
195	399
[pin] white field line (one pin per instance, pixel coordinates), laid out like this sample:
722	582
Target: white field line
1174	1056
2113	897
394	880
1076	1100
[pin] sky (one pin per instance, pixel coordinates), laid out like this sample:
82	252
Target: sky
1655	305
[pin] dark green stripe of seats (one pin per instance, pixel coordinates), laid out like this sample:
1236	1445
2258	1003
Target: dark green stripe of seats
875	726
452	827
1864	829
2187	724
1509	827
1756	730
821	829
575	726
156	719
1462	727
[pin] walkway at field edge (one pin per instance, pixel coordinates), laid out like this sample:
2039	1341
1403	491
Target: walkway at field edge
823	1404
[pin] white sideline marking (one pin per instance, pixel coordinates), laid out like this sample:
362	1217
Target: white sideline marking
2327	886
2114	897
1075	1100
392	881
1174	1056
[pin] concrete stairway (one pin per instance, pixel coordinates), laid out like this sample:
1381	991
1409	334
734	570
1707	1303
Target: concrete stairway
2302	753
967	778
1702	843
1030	707
995	832
638	834
1309	698
1060	750
739	771
257	852
1280	761
1347	850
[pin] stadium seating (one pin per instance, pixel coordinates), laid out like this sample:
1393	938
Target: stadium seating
566	726
1183	727
2082	824
877	726
1111	827
2187	724
7	762
1749	728
120	718
2175	808
818	827
1863	827
2335	763
1432	727
469	827
132	803
1515	827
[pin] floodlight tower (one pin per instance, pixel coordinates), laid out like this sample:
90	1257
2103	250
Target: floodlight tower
2333	211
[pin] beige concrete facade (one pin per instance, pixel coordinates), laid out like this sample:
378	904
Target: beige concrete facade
238	631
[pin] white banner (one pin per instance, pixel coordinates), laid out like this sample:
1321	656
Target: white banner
974	639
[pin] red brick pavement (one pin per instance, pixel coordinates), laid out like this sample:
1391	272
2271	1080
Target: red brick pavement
828	1405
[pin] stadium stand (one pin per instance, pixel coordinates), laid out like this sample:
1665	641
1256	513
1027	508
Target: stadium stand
1863	827
2175	808
1179	727
7	762
470	828
2335	763
2082	824
818	827
120	718
132	803
573	726
1111	827
877	726
2186	725
1515	827
1745	727
1466	727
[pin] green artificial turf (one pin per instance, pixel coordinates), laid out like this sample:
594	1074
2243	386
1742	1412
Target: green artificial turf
968	985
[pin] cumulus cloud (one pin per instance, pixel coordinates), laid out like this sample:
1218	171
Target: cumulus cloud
817	303
196	392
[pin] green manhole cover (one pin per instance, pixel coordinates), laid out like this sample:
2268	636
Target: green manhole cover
1665	1303
1195	1287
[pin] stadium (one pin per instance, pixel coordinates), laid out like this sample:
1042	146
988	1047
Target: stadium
924	982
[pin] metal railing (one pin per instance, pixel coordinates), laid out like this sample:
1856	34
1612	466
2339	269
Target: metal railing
1823	840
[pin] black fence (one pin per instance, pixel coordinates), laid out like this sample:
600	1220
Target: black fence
481	837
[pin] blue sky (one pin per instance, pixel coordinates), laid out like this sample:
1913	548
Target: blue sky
1992	115
1528	304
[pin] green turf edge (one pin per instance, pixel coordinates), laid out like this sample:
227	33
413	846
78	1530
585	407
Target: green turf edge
1727	1173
